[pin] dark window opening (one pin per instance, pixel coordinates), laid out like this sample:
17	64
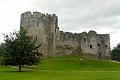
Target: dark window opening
90	46
85	39
98	44
99	55
37	23
106	45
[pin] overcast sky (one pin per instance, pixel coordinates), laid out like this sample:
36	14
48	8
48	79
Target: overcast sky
103	16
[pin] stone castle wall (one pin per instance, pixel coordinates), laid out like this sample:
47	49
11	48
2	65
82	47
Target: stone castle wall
55	42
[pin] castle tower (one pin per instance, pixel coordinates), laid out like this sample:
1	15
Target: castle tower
103	43
43	27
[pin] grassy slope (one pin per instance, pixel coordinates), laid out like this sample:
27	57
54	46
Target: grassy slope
65	68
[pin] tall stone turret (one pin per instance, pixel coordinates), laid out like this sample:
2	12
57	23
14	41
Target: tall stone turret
43	27
54	42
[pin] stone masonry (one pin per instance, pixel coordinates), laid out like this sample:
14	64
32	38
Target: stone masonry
55	42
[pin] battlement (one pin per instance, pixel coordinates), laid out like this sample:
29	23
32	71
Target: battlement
38	15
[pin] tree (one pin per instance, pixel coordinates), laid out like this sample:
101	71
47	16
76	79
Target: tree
20	49
2	51
116	53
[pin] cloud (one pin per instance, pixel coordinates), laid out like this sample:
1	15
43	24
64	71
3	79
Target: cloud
82	12
102	16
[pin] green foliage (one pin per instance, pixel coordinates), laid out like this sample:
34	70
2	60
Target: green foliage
2	51
20	49
116	53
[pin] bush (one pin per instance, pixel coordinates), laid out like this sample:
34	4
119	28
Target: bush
116	53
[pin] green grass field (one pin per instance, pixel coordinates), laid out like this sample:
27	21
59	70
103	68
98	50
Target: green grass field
65	68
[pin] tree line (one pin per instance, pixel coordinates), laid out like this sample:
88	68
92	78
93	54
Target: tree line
116	53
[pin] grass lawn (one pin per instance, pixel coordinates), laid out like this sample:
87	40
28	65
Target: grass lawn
65	68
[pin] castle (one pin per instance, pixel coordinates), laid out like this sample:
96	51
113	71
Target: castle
55	42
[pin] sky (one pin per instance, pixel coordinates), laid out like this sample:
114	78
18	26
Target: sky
102	16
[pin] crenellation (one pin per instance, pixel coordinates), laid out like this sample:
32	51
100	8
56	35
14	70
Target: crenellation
46	18
37	15
27	14
55	42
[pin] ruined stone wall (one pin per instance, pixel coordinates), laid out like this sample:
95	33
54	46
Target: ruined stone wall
103	44
67	43
95	45
55	42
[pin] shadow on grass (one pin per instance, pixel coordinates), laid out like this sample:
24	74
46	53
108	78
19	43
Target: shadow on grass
15	71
